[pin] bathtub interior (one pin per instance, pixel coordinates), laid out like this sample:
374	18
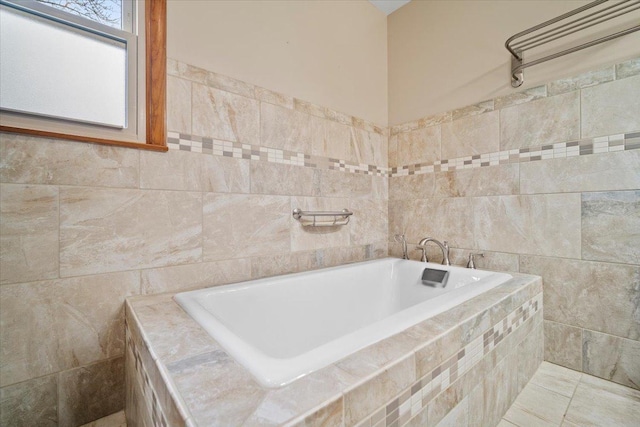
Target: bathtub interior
284	327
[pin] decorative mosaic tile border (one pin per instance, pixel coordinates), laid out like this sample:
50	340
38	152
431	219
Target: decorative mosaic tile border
414	399
591	78
605	144
142	377
228	84
236	150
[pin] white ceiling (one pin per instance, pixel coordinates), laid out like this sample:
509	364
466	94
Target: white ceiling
389	6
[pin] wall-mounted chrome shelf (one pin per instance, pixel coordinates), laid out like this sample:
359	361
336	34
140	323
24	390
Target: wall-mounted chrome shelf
322	218
590	15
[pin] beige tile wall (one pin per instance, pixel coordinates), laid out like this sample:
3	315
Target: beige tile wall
575	221
85	226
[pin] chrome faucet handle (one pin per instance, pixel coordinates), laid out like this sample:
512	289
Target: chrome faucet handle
401	238
472	261
445	258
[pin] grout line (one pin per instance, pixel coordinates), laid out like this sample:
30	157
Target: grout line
571	399
59	233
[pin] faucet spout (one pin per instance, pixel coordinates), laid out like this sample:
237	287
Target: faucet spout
444	247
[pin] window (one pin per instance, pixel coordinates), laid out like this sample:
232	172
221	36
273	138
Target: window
77	69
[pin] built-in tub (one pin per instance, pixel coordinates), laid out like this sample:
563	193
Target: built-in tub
284	327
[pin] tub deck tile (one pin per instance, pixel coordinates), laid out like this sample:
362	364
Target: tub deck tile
216	390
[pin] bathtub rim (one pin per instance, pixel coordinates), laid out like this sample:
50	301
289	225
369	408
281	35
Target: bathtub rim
273	372
510	294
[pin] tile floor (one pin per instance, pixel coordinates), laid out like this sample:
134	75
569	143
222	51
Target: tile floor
558	396
555	397
114	420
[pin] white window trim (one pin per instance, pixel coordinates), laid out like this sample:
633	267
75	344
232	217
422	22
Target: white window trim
136	117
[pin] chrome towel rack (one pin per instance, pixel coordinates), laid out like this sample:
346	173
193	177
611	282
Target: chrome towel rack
322	218
590	15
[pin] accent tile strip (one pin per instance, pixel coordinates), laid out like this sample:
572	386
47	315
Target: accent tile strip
142	377
414	399
178	141
604	144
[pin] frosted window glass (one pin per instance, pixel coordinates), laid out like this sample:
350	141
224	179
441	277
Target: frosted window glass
50	69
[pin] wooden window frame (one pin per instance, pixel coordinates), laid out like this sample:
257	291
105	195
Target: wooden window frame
155	92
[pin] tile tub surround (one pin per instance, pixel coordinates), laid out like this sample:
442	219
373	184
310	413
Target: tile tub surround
84	226
559	198
178	375
38	176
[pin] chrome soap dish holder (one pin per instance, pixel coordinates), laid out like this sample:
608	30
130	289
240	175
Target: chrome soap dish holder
322	218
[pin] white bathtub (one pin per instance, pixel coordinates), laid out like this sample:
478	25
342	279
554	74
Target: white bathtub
284	327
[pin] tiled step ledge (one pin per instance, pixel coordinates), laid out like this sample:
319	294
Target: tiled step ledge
165	355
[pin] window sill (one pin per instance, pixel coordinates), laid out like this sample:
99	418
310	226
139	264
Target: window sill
69	137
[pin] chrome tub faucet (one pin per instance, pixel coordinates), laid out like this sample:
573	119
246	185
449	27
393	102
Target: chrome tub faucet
444	247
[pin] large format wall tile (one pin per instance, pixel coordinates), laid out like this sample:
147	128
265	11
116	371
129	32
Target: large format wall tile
225	174
180	278
379	188
606	171
611	226
30	403
105	230
330	183
240	226
443	219
330	257
540	122
612	358
611	108
288	180
495	393
542	224
401	215
173	170
491	181
28	233
330	139
178	105
31	160
369	221
91	392
577	292
495	261
418	146
563	345
222	115
411	186
285	129
292	262
471	135
56	325
368	148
